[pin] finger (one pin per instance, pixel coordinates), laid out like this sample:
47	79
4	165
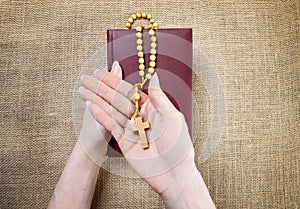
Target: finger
100	115
119	85
105	120
157	97
122	136
125	141
90	127
113	97
116	69
87	95
110	110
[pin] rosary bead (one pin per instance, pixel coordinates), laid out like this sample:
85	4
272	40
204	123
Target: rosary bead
149	16
153	45
150	27
144	15
141	60
151	70
137	96
141	67
130	20
152	20
128	25
139	48
139	28
152	64
140	54
151	32
153	57
148	76
155	24
153	51
152	38
139	41
133	16
139	35
138	15
142	73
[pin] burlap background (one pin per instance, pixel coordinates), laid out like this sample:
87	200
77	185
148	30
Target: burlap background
253	44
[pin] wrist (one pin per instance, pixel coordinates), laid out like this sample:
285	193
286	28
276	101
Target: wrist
93	139
187	191
181	184
93	157
94	147
77	183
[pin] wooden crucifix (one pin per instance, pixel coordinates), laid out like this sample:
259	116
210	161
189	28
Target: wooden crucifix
140	126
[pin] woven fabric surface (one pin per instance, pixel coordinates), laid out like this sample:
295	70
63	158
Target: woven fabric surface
254	47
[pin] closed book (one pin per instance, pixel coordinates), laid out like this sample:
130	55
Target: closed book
173	66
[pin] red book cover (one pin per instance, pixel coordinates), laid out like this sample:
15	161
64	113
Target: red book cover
173	66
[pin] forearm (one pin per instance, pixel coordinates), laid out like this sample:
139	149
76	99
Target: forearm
77	184
188	191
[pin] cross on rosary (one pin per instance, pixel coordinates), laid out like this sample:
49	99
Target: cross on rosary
140	126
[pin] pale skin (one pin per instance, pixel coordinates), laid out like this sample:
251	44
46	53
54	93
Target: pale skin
180	186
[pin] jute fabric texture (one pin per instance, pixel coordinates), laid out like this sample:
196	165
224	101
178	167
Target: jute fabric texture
254	47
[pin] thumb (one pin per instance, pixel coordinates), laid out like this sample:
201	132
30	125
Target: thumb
156	95
116	69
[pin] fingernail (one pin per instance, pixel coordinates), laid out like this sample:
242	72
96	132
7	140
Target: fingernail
95	72
80	89
88	103
82	77
115	67
154	81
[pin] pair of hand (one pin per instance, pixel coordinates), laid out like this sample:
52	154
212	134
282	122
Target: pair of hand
110	106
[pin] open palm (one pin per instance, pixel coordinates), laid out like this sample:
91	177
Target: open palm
170	148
